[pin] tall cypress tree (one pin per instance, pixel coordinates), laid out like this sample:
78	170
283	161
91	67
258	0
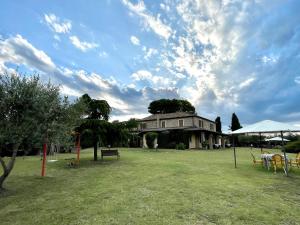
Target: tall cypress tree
218	124
235	123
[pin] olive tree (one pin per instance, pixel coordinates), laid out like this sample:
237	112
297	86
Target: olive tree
31	110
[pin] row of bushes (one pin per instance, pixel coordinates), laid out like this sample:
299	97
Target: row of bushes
151	136
293	147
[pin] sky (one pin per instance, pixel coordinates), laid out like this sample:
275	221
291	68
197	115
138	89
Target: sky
223	56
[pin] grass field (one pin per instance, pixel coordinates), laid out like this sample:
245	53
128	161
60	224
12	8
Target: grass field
144	187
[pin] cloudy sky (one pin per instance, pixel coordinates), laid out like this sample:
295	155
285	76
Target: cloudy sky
223	56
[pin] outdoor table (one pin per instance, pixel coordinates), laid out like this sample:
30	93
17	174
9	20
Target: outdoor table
267	159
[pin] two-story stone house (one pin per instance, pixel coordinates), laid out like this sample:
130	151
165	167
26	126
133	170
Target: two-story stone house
198	129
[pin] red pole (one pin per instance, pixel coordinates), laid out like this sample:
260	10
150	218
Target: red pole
78	148
44	159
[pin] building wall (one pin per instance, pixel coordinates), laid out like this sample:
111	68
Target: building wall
206	124
170	123
187	122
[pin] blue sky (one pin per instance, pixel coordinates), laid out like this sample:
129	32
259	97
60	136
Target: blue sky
223	56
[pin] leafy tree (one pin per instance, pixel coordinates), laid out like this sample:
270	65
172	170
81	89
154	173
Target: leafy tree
170	106
218	124
31	111
97	115
235	123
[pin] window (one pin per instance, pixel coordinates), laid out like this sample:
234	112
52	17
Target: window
201	123
163	124
180	123
211	126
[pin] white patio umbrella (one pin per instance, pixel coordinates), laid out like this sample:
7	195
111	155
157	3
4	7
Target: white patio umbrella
267	126
276	139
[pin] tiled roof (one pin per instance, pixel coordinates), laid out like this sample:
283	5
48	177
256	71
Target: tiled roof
168	116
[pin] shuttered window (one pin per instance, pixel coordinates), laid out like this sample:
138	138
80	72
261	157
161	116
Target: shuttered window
180	123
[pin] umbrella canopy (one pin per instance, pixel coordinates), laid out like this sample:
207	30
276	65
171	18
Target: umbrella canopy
267	126
276	139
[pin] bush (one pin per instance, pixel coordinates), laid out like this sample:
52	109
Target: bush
150	137
180	146
292	147
205	144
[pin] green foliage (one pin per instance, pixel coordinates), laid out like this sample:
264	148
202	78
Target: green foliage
180	146
97	114
218	124
115	134
293	146
31	111
150	137
246	140
96	109
170	106
170	139
205	144
235	123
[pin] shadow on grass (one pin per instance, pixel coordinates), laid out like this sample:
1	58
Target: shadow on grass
89	163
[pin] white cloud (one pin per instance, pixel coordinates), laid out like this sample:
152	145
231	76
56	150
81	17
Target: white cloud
164	7
82	45
55	24
156	81
134	40
56	37
127	101
150	53
65	90
19	51
141	75
128	117
103	54
297	80
247	82
150	22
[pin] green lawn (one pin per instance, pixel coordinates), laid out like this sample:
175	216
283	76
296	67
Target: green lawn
144	187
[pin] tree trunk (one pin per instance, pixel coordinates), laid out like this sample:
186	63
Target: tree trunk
10	165
95	150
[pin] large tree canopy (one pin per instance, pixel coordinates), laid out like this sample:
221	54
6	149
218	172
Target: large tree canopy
235	123
32	111
218	124
97	114
170	106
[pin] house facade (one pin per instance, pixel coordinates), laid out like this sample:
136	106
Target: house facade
200	131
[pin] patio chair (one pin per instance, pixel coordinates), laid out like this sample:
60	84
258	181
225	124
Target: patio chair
255	161
278	162
295	161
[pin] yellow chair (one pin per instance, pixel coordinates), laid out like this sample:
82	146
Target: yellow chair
278	162
295	161
255	161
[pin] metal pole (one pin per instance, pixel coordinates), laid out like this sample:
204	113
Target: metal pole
260	143
44	159
284	153
78	148
234	151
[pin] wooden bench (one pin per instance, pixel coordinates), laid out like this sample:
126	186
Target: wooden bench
109	152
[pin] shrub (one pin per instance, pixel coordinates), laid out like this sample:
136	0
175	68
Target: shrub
293	147
205	144
180	146
150	137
